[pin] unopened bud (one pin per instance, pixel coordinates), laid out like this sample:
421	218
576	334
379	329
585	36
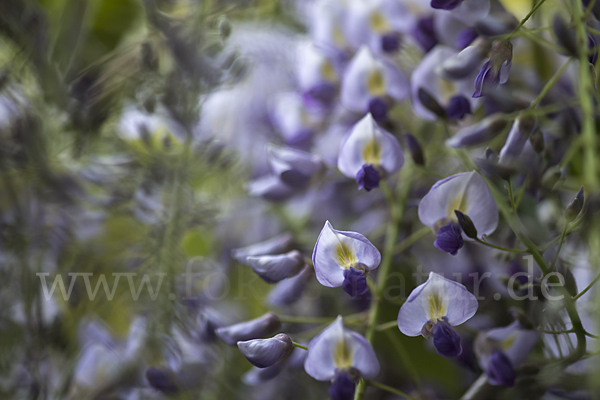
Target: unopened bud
263	353
479	133
431	103
537	141
575	206
414	148
466	224
254	329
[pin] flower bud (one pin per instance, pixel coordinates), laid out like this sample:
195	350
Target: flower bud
431	103
445	4
575	206
162	379
478	133
263	353
275	245
273	269
253	329
458	107
449	238
414	148
466	224
466	62
294	167
537	141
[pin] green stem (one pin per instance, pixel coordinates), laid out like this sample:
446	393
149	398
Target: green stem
587	288
412	239
562	239
292	319
585	85
501	248
404	357
550	84
512	199
387	325
390	389
298	345
396	212
524	20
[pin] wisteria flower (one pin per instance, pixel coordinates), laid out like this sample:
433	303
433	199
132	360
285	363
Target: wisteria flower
495	71
341	356
343	258
501	350
371	85
253	329
433	308
275	268
466	192
294	167
368	153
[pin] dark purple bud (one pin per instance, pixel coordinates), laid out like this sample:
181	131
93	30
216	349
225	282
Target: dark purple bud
575	206
500	371
466	37
431	103
162	379
342	387
458	107
355	283
445	4
449	238
446	341
378	109
593	49
424	34
390	43
368	178
466	224
414	148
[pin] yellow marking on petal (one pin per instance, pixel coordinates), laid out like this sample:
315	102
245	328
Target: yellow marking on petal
342	357
345	255
447	90
328	72
372	152
459	204
507	343
379	23
338	37
437	307
376	83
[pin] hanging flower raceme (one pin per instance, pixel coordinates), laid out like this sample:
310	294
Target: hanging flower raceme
343	357
501	350
433	308
467	193
343	259
372	85
369	154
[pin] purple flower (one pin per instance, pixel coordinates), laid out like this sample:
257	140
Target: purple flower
263	353
368	77
433	308
162	379
340	355
449	238
294	167
501	350
430	77
378	108
517	137
466	37
338	251
369	153
467	193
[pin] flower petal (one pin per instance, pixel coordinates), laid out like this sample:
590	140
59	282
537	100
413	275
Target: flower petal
273	269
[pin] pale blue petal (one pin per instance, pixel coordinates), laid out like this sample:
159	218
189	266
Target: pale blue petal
263	353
